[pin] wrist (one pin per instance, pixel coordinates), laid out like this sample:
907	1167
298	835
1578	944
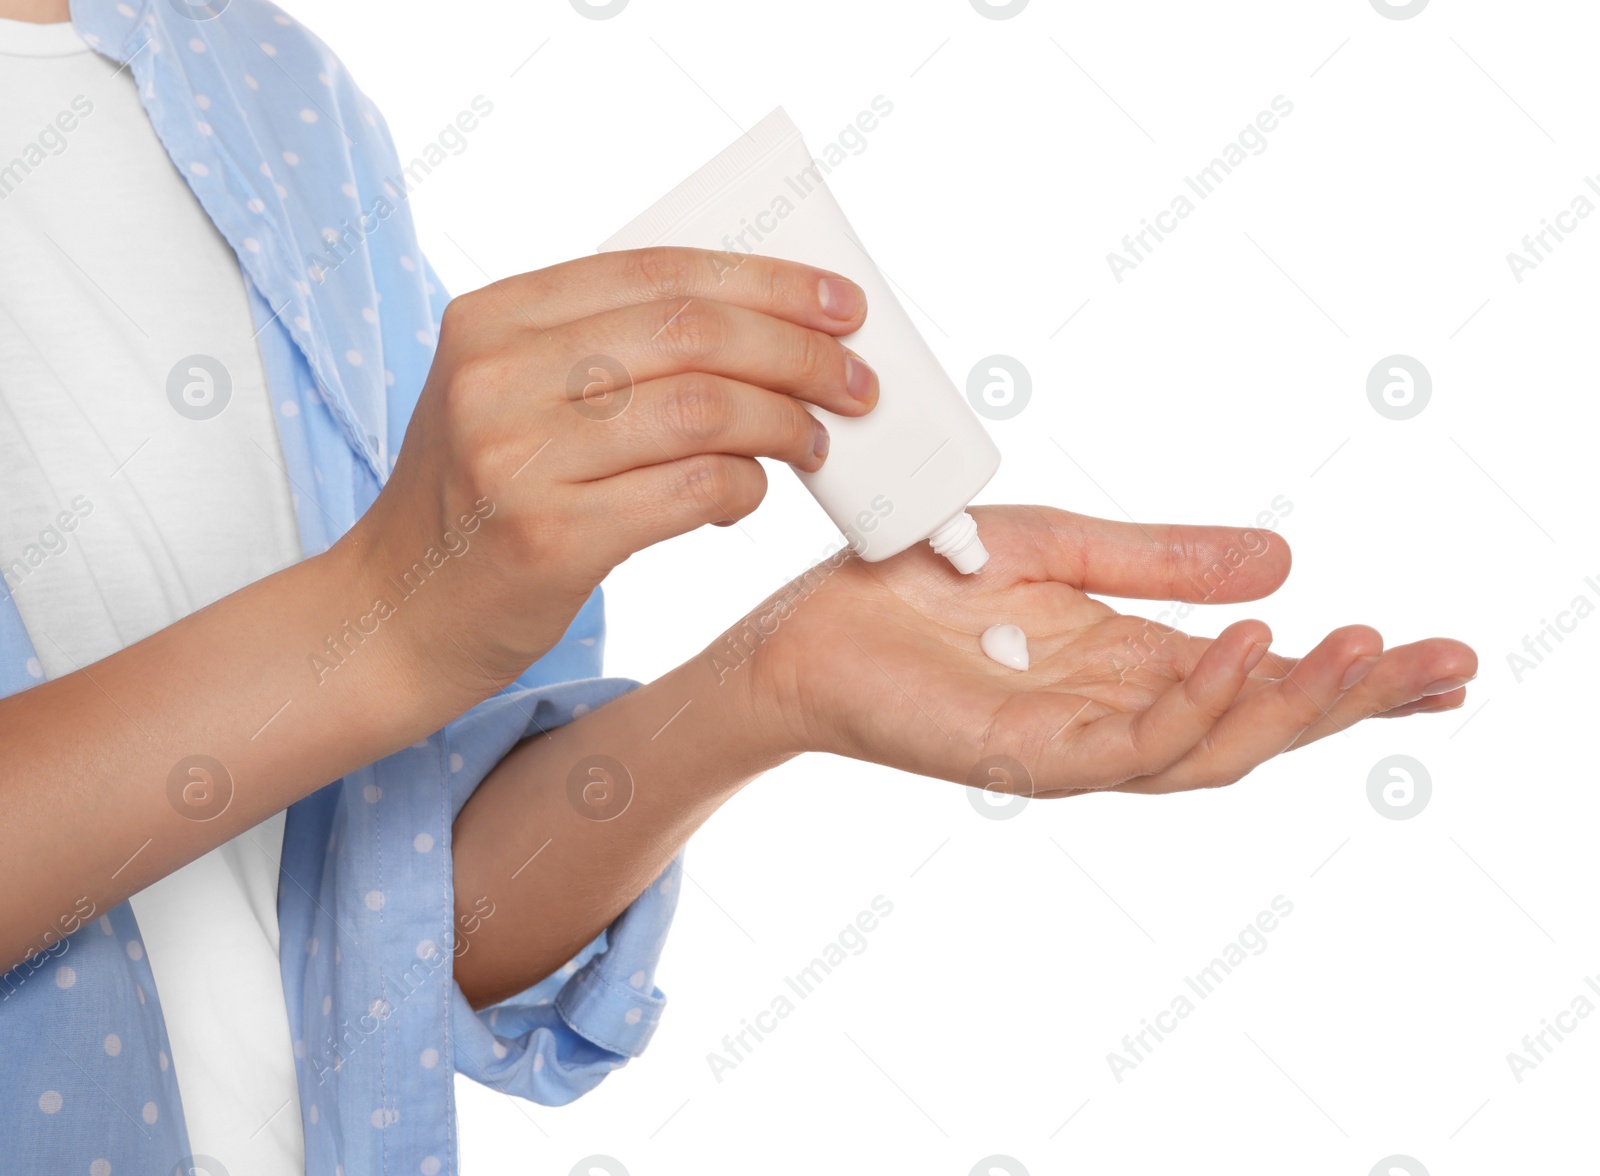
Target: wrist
373	621
730	709
741	678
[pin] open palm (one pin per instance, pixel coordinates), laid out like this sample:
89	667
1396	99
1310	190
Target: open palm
881	661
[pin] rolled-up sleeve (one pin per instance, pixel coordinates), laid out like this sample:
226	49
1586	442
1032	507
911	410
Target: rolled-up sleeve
558	1038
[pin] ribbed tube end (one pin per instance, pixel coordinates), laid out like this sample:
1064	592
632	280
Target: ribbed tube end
958	542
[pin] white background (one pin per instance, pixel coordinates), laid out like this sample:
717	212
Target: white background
1226	370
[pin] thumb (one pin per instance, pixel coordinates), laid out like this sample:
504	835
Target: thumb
1150	561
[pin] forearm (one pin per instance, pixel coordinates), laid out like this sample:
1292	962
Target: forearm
94	764
556	874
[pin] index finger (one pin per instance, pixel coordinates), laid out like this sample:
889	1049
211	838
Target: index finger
803	294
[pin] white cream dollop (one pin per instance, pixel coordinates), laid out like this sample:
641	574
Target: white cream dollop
1006	644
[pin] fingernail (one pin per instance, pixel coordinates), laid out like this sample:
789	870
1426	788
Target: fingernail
840	299
859	379
1443	686
1357	671
819	440
1253	658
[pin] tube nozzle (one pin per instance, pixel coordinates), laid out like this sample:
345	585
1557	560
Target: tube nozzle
958	542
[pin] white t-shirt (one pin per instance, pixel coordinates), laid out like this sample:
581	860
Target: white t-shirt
127	502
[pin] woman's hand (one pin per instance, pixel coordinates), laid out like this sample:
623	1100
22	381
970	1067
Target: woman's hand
571	417
580	413
881	661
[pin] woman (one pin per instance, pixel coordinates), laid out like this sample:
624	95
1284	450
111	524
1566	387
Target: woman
229	583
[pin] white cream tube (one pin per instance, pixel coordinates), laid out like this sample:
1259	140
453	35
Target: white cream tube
906	471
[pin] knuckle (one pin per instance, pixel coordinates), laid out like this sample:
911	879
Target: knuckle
1205	706
781	288
481	462
475	379
1206	752
1138	738
695	407
802	429
721	487
706	479
1183	551
663	272
1304	706
691	330
820	358
457	312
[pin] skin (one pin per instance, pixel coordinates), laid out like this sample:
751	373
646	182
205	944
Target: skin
721	357
35	11
496	450
881	662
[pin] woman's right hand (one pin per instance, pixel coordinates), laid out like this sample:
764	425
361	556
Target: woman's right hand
577	414
513	496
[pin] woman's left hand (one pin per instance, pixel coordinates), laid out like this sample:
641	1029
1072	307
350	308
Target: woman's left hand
882	662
